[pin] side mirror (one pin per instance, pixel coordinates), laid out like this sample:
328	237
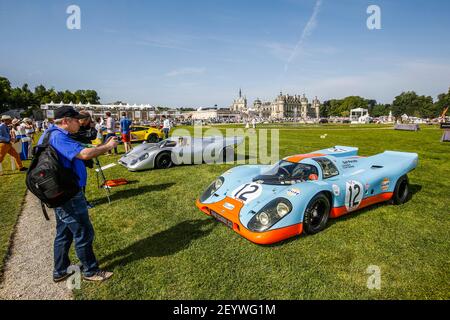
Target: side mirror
313	177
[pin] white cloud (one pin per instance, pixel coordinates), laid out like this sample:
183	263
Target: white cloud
307	31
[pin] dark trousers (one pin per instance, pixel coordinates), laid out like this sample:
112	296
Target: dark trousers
166	133
73	224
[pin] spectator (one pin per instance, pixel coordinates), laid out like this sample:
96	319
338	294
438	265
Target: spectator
6	141
29	132
100	128
110	130
85	135
21	136
72	218
166	127
125	125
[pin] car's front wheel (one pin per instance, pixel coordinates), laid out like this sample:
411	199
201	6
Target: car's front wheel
401	191
163	160
152	138
317	214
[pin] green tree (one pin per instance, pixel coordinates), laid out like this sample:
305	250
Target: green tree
412	104
380	110
92	96
5	92
442	103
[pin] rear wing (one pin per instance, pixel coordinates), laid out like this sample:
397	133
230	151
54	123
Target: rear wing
406	160
339	151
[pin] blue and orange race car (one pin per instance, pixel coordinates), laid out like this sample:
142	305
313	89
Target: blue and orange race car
267	204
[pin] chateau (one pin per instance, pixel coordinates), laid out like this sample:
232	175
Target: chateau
284	106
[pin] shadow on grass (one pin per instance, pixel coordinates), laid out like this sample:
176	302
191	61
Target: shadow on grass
118	194
165	243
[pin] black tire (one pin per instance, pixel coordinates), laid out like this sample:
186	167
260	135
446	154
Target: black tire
163	160
401	191
317	214
152	138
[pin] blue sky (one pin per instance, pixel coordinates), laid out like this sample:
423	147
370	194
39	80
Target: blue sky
199	52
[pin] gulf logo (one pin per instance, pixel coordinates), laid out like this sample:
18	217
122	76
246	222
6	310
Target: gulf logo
385	184
293	192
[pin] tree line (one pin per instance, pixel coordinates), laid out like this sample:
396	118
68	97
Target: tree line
24	98
409	103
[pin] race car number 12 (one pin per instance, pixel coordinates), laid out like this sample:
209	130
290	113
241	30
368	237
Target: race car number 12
248	192
353	195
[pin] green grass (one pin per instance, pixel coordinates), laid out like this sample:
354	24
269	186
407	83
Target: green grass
160	246
12	192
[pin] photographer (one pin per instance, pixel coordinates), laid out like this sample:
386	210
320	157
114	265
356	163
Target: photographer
72	218
86	135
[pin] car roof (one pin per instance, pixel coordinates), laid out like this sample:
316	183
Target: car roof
299	157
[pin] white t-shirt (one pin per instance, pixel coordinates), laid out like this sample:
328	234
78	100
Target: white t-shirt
166	124
21	129
110	125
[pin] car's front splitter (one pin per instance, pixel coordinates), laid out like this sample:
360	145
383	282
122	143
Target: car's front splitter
230	208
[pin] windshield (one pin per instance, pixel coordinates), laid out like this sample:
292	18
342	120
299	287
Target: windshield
285	172
167	143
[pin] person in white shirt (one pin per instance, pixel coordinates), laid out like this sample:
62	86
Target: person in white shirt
166	127
110	130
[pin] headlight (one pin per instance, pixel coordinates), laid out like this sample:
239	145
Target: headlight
132	163
282	209
263	218
143	157
213	187
273	212
218	183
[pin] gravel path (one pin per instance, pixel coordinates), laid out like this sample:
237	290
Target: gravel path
28	271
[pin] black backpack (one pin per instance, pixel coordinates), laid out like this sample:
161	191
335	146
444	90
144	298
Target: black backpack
48	179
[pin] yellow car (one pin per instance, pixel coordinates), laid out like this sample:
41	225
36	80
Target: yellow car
145	133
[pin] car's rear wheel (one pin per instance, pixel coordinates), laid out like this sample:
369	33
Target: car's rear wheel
163	161
317	214
152	138
401	191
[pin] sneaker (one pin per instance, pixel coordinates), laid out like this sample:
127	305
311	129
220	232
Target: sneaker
100	275
62	278
23	169
89	205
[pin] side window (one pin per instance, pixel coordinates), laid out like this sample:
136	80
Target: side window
328	168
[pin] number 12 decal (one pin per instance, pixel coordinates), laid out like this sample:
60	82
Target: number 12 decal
247	192
354	192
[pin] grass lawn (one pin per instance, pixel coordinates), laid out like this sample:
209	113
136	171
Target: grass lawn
12	192
160	246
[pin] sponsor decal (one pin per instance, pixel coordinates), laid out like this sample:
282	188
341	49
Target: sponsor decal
336	149
228	206
385	184
347	164
367	187
293	192
336	189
